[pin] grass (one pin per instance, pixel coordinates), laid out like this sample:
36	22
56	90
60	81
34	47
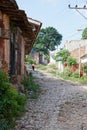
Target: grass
83	80
53	70
33	95
32	89
41	67
52	66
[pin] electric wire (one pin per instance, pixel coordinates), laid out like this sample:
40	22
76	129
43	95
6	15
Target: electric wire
81	14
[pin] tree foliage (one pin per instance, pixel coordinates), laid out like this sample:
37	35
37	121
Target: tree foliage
47	39
71	61
84	34
63	54
29	60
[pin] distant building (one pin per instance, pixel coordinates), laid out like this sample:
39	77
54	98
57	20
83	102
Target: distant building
38	56
34	55
77	49
57	62
52	55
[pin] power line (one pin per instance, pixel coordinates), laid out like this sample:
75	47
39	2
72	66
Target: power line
74	34
81	14
77	8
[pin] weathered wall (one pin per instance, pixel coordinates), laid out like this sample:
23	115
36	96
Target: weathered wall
77	48
1	40
4	44
22	55
79	52
74	44
6	41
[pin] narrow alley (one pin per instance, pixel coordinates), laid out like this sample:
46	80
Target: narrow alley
62	105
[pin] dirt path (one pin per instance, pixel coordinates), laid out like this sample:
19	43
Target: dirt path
61	106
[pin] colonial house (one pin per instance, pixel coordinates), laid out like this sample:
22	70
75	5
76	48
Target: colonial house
17	36
77	49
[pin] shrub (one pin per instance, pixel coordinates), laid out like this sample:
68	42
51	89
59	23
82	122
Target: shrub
76	74
30	85
71	61
85	68
83	79
52	66
29	60
3	77
67	71
11	103
41	67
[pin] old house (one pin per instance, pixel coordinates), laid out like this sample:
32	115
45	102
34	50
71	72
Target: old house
77	49
34	55
17	36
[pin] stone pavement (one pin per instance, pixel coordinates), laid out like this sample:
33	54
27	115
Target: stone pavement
61	105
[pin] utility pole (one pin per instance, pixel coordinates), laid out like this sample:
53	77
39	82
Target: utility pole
77	7
79	59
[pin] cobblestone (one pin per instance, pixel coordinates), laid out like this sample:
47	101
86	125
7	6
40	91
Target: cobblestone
61	105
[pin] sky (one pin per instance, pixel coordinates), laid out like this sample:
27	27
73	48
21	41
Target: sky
55	13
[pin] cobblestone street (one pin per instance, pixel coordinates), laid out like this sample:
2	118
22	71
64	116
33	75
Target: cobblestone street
62	105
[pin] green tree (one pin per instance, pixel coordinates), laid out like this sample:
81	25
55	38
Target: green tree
84	34
63	54
71	61
47	39
29	60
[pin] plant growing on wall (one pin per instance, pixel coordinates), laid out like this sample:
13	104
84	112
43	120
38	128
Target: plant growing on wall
71	61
